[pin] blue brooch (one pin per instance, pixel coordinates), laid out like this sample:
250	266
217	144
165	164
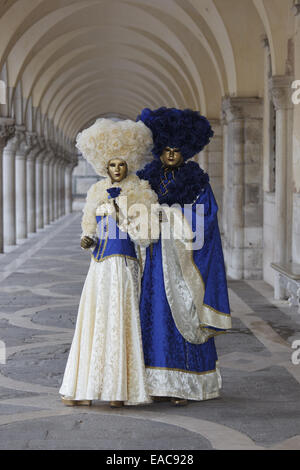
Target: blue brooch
113	192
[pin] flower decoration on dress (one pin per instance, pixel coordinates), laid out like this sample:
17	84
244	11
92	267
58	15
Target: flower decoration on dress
113	192
176	128
107	139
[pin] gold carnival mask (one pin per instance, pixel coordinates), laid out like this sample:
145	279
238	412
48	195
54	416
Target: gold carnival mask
117	169
171	157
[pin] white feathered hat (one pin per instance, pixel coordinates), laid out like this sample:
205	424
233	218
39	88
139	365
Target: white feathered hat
107	139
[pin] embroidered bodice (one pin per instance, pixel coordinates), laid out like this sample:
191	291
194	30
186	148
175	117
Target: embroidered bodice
111	240
167	176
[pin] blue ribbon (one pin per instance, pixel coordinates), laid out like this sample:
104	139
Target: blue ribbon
113	192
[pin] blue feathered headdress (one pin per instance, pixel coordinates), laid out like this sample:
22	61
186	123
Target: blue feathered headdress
176	128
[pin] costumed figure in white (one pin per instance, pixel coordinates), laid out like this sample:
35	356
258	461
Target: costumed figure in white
106	360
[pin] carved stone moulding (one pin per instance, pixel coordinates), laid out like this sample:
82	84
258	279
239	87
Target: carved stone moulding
237	108
31	139
7	130
281	91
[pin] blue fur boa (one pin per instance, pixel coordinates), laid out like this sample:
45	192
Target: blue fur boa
189	181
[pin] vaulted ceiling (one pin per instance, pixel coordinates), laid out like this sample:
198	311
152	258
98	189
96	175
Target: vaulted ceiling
76	60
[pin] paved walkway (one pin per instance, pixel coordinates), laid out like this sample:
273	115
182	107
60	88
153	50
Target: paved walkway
40	286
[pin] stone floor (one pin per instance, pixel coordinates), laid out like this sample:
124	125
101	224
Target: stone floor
40	286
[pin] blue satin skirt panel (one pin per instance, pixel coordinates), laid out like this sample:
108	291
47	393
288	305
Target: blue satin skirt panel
210	259
164	346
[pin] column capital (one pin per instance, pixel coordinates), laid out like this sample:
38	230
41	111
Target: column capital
31	140
237	108
23	147
265	41
281	91
296	9
50	146
12	144
223	120
216	127
33	153
41	141
48	157
20	129
42	154
74	160
52	159
7	130
67	156
69	167
33	145
63	163
60	153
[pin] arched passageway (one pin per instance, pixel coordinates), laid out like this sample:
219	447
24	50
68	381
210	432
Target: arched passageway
62	64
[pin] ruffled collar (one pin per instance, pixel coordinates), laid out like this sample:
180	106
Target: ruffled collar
184	182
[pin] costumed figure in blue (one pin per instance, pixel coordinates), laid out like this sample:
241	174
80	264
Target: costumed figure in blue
106	359
184	297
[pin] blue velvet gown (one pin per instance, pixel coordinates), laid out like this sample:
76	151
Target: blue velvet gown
174	366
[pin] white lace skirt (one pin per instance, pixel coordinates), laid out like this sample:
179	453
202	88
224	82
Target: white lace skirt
106	360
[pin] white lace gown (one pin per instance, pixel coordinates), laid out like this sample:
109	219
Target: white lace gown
106	359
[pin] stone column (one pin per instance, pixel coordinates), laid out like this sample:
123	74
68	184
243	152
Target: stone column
9	190
281	91
62	188
46	189
39	186
7	130
214	165
30	177
244	208
202	159
68	188
225	202
58	170
39	191
51	188
21	193
55	188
